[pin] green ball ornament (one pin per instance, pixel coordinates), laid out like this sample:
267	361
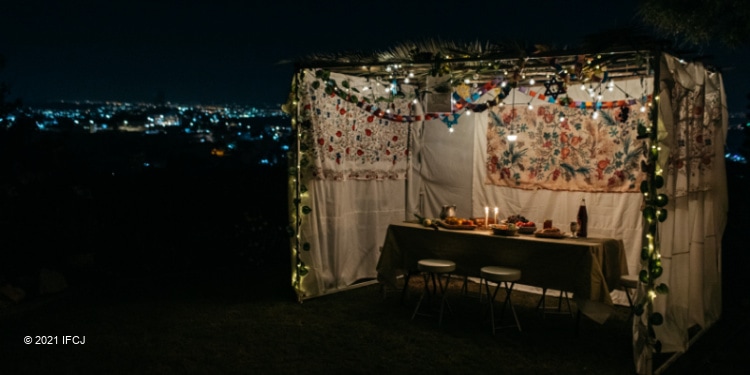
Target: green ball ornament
661	215
662	200
659	182
656	319
656	272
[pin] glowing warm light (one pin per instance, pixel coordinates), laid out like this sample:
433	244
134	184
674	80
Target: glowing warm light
512	137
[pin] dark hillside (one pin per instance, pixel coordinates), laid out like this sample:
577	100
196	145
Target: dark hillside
129	204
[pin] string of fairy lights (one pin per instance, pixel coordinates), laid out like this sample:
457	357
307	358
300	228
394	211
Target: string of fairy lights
467	93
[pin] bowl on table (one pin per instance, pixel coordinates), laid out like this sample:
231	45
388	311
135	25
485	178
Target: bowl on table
527	230
504	229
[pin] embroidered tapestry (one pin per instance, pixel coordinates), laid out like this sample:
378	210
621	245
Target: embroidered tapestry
353	138
697	115
564	148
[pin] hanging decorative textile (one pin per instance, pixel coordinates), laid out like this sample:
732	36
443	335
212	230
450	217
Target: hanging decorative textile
697	118
352	140
563	148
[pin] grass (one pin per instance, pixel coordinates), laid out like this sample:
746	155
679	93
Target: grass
241	321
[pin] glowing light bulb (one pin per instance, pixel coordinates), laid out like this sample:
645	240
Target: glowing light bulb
450	130
595	115
531	81
531	106
512	137
583	87
643	108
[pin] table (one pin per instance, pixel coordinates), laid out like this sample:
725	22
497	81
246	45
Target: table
590	268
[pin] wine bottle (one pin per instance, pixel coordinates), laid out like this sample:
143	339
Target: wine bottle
583	219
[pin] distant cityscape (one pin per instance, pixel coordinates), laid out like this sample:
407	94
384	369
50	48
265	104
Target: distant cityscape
223	129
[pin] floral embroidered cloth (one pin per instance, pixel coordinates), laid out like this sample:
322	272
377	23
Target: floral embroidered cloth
697	116
563	148
353	139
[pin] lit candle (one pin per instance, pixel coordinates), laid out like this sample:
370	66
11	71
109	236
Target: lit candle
495	215
486	215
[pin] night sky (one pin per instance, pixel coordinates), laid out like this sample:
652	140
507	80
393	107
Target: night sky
234	51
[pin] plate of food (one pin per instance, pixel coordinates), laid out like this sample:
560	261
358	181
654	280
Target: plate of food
552	232
524	225
457	223
504	229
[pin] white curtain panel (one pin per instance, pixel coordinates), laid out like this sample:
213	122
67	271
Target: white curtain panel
693	128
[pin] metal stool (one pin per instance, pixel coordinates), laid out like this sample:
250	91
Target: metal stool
629	283
433	270
542	305
506	276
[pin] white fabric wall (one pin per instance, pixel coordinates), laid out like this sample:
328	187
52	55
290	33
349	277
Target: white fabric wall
346	231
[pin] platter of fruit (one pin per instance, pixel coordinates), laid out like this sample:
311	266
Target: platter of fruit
453	222
524	225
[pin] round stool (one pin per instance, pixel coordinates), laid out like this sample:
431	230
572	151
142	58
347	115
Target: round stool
433	270
629	283
506	276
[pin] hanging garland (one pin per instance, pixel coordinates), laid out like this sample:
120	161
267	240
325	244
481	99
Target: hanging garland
344	91
653	213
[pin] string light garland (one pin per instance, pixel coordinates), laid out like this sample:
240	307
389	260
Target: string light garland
498	86
654	212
